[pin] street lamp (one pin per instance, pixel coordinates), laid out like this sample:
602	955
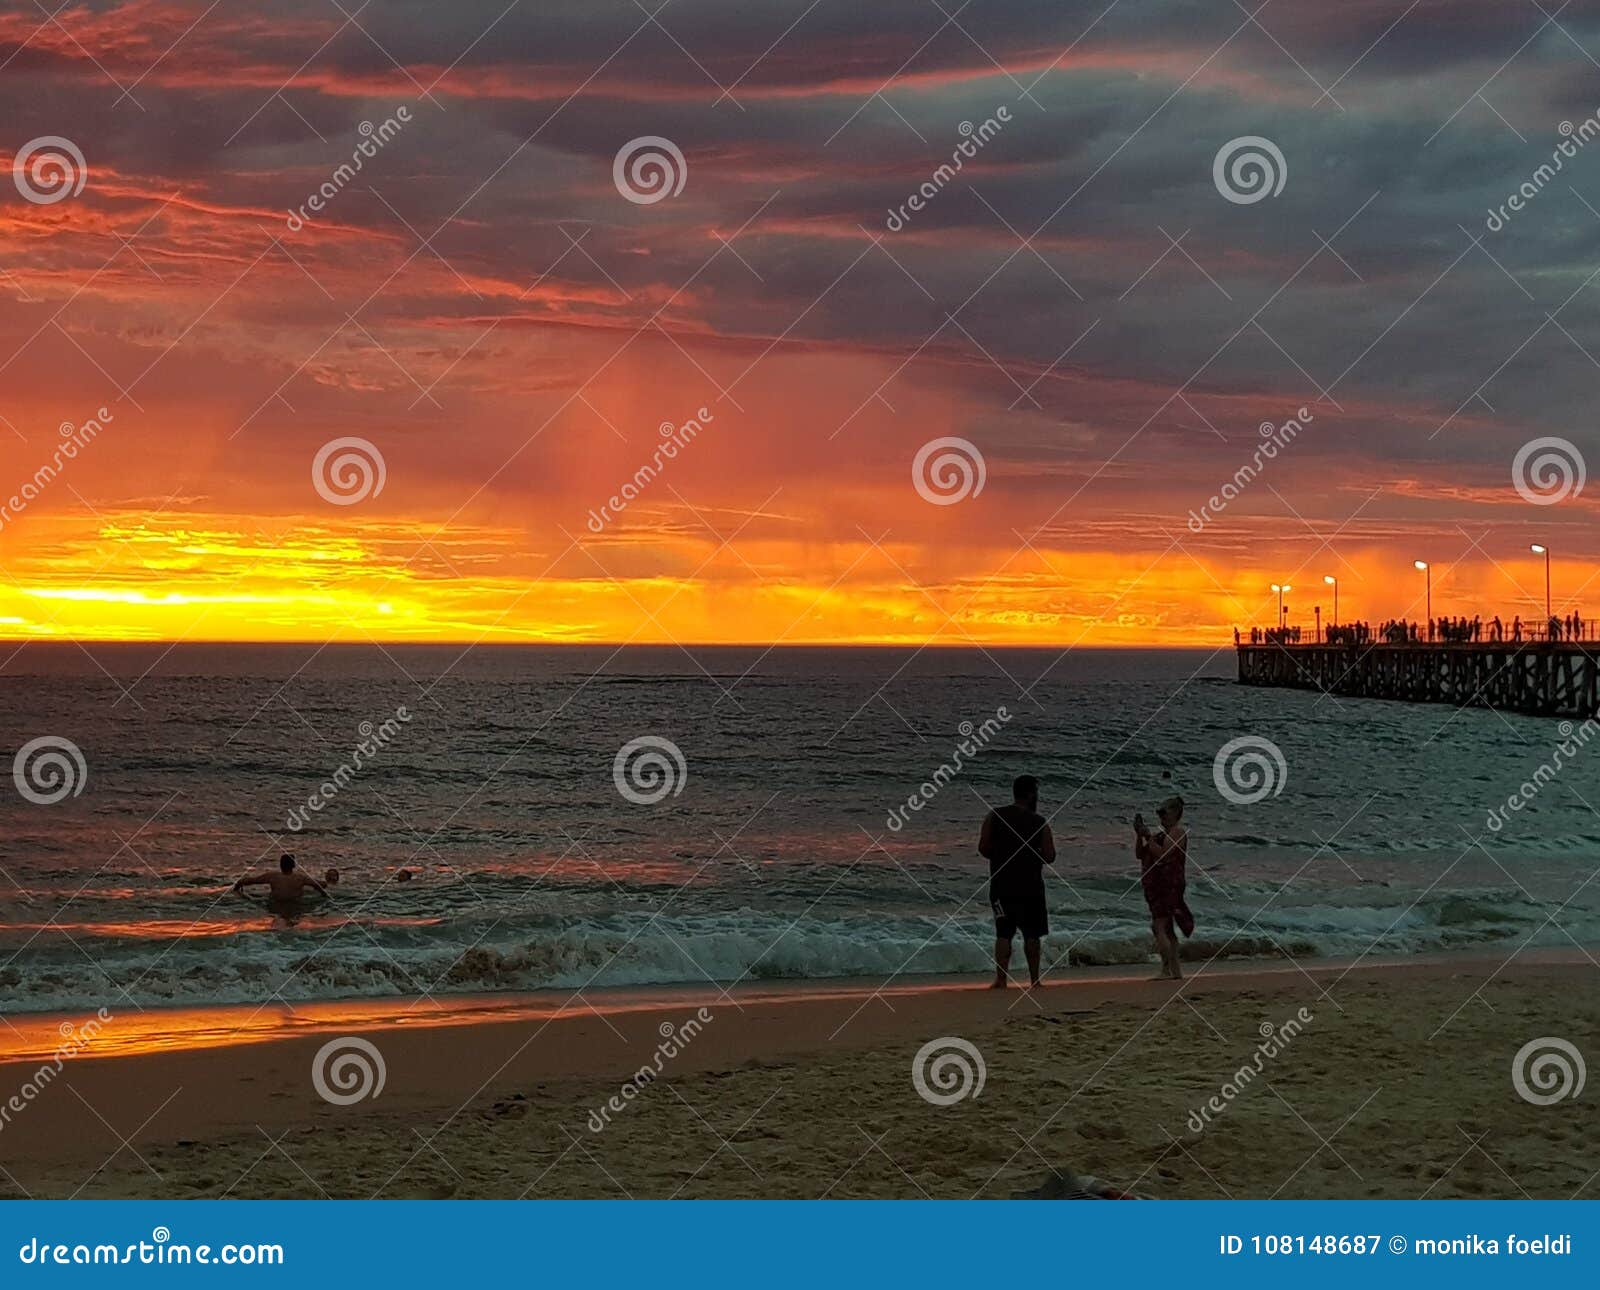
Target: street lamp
1280	588
1423	565
1537	549
1334	583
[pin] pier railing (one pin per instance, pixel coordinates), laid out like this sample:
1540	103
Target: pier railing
1410	633
1548	674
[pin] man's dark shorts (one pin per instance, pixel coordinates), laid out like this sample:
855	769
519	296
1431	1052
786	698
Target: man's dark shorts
1020	911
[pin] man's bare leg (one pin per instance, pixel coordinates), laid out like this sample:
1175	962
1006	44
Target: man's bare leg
1031	949
1002	960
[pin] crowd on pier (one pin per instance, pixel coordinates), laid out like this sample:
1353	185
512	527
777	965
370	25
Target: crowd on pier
1397	631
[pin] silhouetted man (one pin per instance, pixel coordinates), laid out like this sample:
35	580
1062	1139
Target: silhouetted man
1017	844
286	886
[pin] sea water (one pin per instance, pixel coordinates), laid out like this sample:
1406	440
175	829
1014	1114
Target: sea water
759	840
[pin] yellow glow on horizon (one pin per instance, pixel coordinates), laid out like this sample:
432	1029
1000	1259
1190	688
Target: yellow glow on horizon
148	576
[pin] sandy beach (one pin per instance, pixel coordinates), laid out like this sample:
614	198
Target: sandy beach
1378	1080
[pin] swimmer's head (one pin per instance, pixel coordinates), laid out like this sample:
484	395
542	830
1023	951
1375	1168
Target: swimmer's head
331	877
286	863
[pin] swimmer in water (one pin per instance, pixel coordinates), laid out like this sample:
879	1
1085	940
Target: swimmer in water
330	878
286	887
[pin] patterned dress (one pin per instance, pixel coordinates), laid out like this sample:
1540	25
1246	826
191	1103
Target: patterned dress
1164	882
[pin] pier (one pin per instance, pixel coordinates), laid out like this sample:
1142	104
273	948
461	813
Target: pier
1547	678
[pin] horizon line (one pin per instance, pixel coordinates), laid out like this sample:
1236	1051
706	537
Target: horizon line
327	643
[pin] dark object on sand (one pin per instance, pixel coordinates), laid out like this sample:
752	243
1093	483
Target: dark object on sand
1063	1184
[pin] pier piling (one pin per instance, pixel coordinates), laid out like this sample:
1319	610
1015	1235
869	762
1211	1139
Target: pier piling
1542	678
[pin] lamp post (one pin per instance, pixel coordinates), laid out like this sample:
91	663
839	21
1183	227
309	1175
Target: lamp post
1423	565
1538	549
1334	583
1280	588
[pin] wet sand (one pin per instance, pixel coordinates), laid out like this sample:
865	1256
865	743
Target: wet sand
1399	1085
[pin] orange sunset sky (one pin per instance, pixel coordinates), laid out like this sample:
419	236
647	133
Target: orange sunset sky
1081	304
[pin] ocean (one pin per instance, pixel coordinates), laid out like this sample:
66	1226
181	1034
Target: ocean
752	836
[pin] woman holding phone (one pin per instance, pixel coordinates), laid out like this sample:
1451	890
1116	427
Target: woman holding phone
1162	860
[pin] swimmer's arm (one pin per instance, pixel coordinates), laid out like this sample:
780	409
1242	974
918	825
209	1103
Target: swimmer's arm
1047	846
255	881
319	887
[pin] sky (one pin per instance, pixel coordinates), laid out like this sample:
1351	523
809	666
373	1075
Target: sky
359	318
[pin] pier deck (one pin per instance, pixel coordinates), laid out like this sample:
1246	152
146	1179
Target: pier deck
1544	678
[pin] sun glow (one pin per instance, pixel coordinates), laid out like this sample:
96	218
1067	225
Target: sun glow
150	576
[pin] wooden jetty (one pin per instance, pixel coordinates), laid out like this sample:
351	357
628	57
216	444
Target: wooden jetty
1544	678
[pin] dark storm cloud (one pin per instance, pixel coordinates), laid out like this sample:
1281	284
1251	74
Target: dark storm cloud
1115	118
